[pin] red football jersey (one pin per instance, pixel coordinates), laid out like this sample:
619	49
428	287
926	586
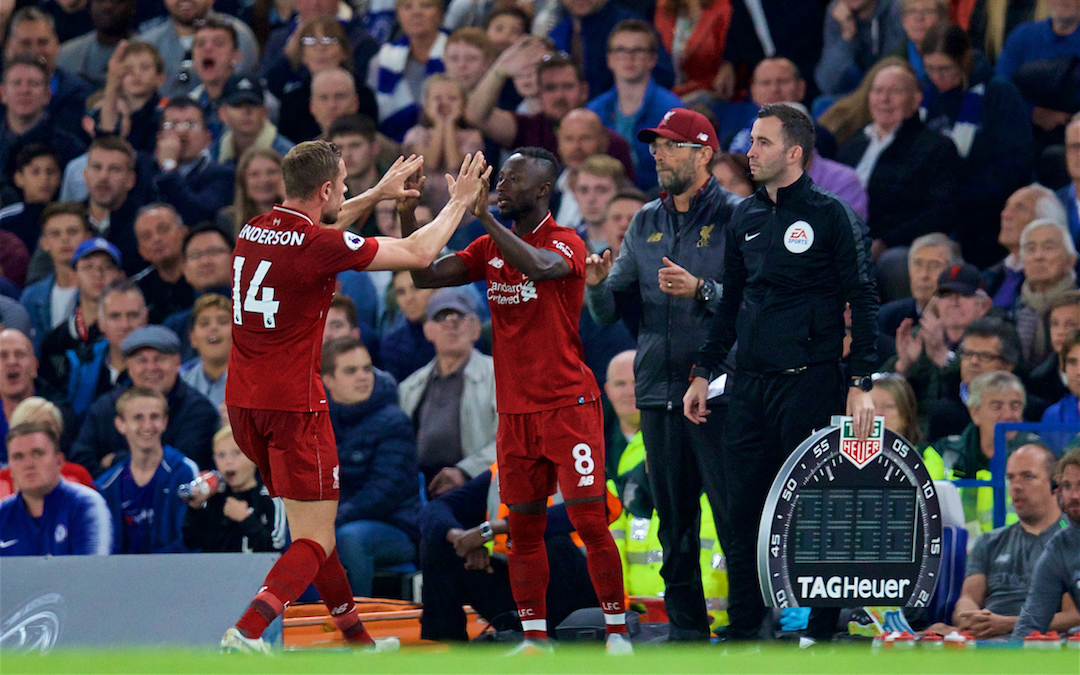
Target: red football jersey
539	363
284	269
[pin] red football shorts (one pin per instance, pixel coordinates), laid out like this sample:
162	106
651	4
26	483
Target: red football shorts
564	444
295	451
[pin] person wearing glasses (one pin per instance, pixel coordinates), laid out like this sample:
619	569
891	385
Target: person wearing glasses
669	267
794	255
188	179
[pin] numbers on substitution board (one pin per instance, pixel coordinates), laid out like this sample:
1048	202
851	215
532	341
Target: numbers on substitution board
253	302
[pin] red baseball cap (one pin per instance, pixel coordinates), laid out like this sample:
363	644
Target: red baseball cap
683	126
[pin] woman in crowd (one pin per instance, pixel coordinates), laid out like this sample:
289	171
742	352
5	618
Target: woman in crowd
695	32
259	186
894	400
733	174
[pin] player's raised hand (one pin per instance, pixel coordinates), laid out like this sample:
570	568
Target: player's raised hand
392	184
480	208
414	183
472	176
597	267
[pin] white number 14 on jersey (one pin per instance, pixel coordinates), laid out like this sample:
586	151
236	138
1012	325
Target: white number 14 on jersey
266	305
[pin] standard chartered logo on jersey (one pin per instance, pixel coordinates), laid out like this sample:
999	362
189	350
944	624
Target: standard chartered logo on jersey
511	294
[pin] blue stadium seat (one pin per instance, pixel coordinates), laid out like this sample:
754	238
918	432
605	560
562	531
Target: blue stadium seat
951	574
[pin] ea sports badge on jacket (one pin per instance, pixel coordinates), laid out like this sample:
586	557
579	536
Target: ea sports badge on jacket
799	237
850	522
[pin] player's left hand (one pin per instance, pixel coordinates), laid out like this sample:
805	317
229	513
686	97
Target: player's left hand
676	281
450	478
392	184
860	407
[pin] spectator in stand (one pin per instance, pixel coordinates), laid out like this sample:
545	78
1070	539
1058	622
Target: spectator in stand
584	34
161	234
733	173
398	71
259	185
895	401
37	175
341	319
999	568
442	136
333	95
211	336
622	419
141	489
594	184
580	135
323	47
467	56
776	80
112	204
620	211
987	121
700	68
1029	203
929	256
32	33
1067	409
287	49
1053	42
562	90
71	18
989	23
1047	380
188	179
404	347
49	515
451	400
994	397
851	113
636	101
135	75
44	411
916	18
88	55
25	94
153	360
357	138
504	25
51	300
1070	194
208	269
242	518
910	173
73	354
243	111
173	39
19	381
857	34
1048	255
214	57
376	517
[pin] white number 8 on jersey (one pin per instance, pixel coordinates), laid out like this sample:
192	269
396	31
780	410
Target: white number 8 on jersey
583	461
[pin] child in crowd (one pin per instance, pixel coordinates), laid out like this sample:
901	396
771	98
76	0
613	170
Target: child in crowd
211	337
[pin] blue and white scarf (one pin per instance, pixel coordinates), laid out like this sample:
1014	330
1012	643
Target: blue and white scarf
398	110
967	122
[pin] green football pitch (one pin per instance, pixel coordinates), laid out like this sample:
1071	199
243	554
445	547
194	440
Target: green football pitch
715	659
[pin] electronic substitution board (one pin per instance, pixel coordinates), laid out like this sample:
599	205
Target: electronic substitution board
850	523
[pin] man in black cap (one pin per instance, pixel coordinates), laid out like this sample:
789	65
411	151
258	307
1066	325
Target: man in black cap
243	111
670	265
153	361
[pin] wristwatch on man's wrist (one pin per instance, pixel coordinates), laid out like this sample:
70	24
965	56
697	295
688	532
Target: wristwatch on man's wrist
706	291
486	531
864	382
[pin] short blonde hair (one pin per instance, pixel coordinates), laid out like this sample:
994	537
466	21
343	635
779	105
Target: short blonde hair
37	409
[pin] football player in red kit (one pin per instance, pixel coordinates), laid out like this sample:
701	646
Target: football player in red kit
550	418
284	268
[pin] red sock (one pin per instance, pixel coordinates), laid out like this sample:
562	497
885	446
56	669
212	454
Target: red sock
602	556
333	586
529	571
288	578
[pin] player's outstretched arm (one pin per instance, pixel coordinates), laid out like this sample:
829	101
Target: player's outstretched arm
391	186
539	264
420	248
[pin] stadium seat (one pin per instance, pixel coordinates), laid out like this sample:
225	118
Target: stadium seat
951	574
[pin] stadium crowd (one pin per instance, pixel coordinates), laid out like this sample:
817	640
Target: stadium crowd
138	138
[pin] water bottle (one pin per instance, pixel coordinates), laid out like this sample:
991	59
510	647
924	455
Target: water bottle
205	484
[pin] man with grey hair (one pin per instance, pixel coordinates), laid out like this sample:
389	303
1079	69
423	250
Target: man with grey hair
1048	255
1031	202
993	398
928	256
160	234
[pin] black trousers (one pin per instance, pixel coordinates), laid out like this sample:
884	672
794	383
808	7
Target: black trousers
682	460
768	417
448	586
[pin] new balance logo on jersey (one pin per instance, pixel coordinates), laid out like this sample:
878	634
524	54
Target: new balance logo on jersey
586	481
496	262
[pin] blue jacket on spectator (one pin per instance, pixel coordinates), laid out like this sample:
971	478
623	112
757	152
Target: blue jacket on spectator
166	534
75	521
193	420
68	101
595	29
656	103
1067	195
199	193
37	300
1035	41
377	456
403	349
